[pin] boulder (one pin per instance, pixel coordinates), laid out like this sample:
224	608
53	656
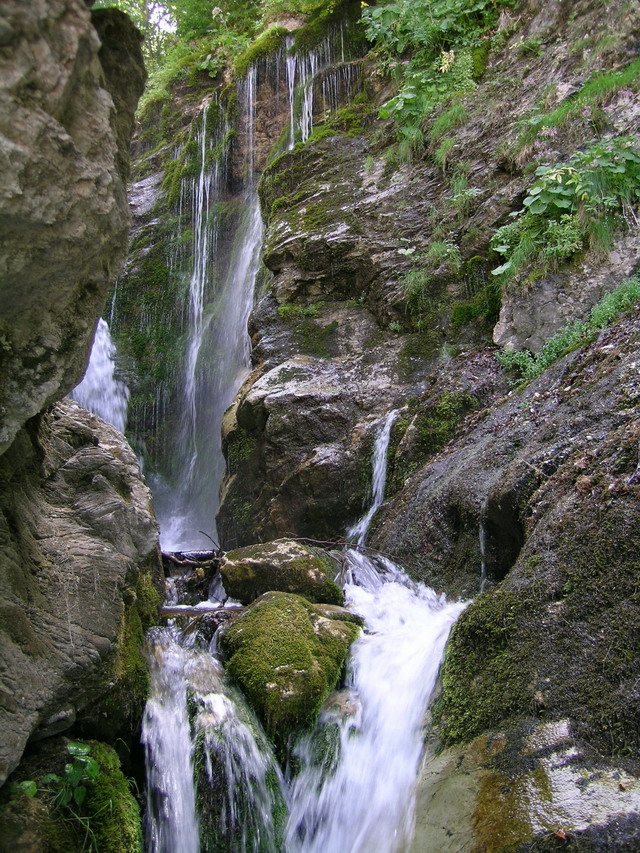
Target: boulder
286	657
80	580
530	789
283	565
66	113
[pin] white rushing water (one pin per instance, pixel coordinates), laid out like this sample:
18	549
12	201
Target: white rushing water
172	823
218	349
239	779
101	390
365	802
356	795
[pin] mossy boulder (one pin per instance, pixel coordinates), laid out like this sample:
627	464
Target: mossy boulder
283	565
108	820
287	658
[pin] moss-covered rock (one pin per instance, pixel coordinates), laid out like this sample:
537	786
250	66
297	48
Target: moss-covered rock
283	565
287	658
108	821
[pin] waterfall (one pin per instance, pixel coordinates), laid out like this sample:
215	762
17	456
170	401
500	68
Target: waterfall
194	719
101	391
220	300
359	795
172	824
379	469
313	70
213	782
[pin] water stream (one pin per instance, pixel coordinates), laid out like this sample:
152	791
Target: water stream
102	391
354	794
213	783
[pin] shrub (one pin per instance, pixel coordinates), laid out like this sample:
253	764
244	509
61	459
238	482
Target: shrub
527	366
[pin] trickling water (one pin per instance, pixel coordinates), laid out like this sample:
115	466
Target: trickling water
379	467
101	391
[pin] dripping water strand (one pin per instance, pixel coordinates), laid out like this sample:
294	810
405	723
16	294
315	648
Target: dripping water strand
379	476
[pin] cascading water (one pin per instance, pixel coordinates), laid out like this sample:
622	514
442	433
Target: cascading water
101	390
172	823
359	798
220	300
362	799
360	529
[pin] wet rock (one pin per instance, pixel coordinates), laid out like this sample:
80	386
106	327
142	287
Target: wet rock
64	220
81	579
283	565
526	790
287	658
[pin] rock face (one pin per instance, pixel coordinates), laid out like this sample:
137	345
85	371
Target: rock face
63	211
286	656
282	565
80	580
543	491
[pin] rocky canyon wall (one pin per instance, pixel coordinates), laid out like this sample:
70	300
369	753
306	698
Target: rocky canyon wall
78	539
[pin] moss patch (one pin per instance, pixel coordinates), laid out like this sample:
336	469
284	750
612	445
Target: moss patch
268	42
108	820
287	659
285	566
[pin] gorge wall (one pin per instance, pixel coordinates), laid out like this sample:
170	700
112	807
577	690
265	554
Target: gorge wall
79	559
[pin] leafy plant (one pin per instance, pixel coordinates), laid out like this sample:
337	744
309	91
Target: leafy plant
440	37
527	366
570	205
70	788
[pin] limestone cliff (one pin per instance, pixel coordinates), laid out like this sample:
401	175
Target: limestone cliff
78	539
65	124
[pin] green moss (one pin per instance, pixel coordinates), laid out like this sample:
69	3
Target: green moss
119	709
321	18
286	660
300	569
485	671
267	42
418	349
108	821
112	810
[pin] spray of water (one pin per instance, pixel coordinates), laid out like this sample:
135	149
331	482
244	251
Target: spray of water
101	390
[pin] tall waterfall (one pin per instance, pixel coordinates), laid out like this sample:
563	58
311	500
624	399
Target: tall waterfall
220	299
101	390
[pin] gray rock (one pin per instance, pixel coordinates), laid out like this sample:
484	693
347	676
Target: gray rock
283	565
63	210
79	577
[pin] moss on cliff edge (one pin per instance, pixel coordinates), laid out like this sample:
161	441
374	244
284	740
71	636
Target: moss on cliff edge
564	643
286	658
